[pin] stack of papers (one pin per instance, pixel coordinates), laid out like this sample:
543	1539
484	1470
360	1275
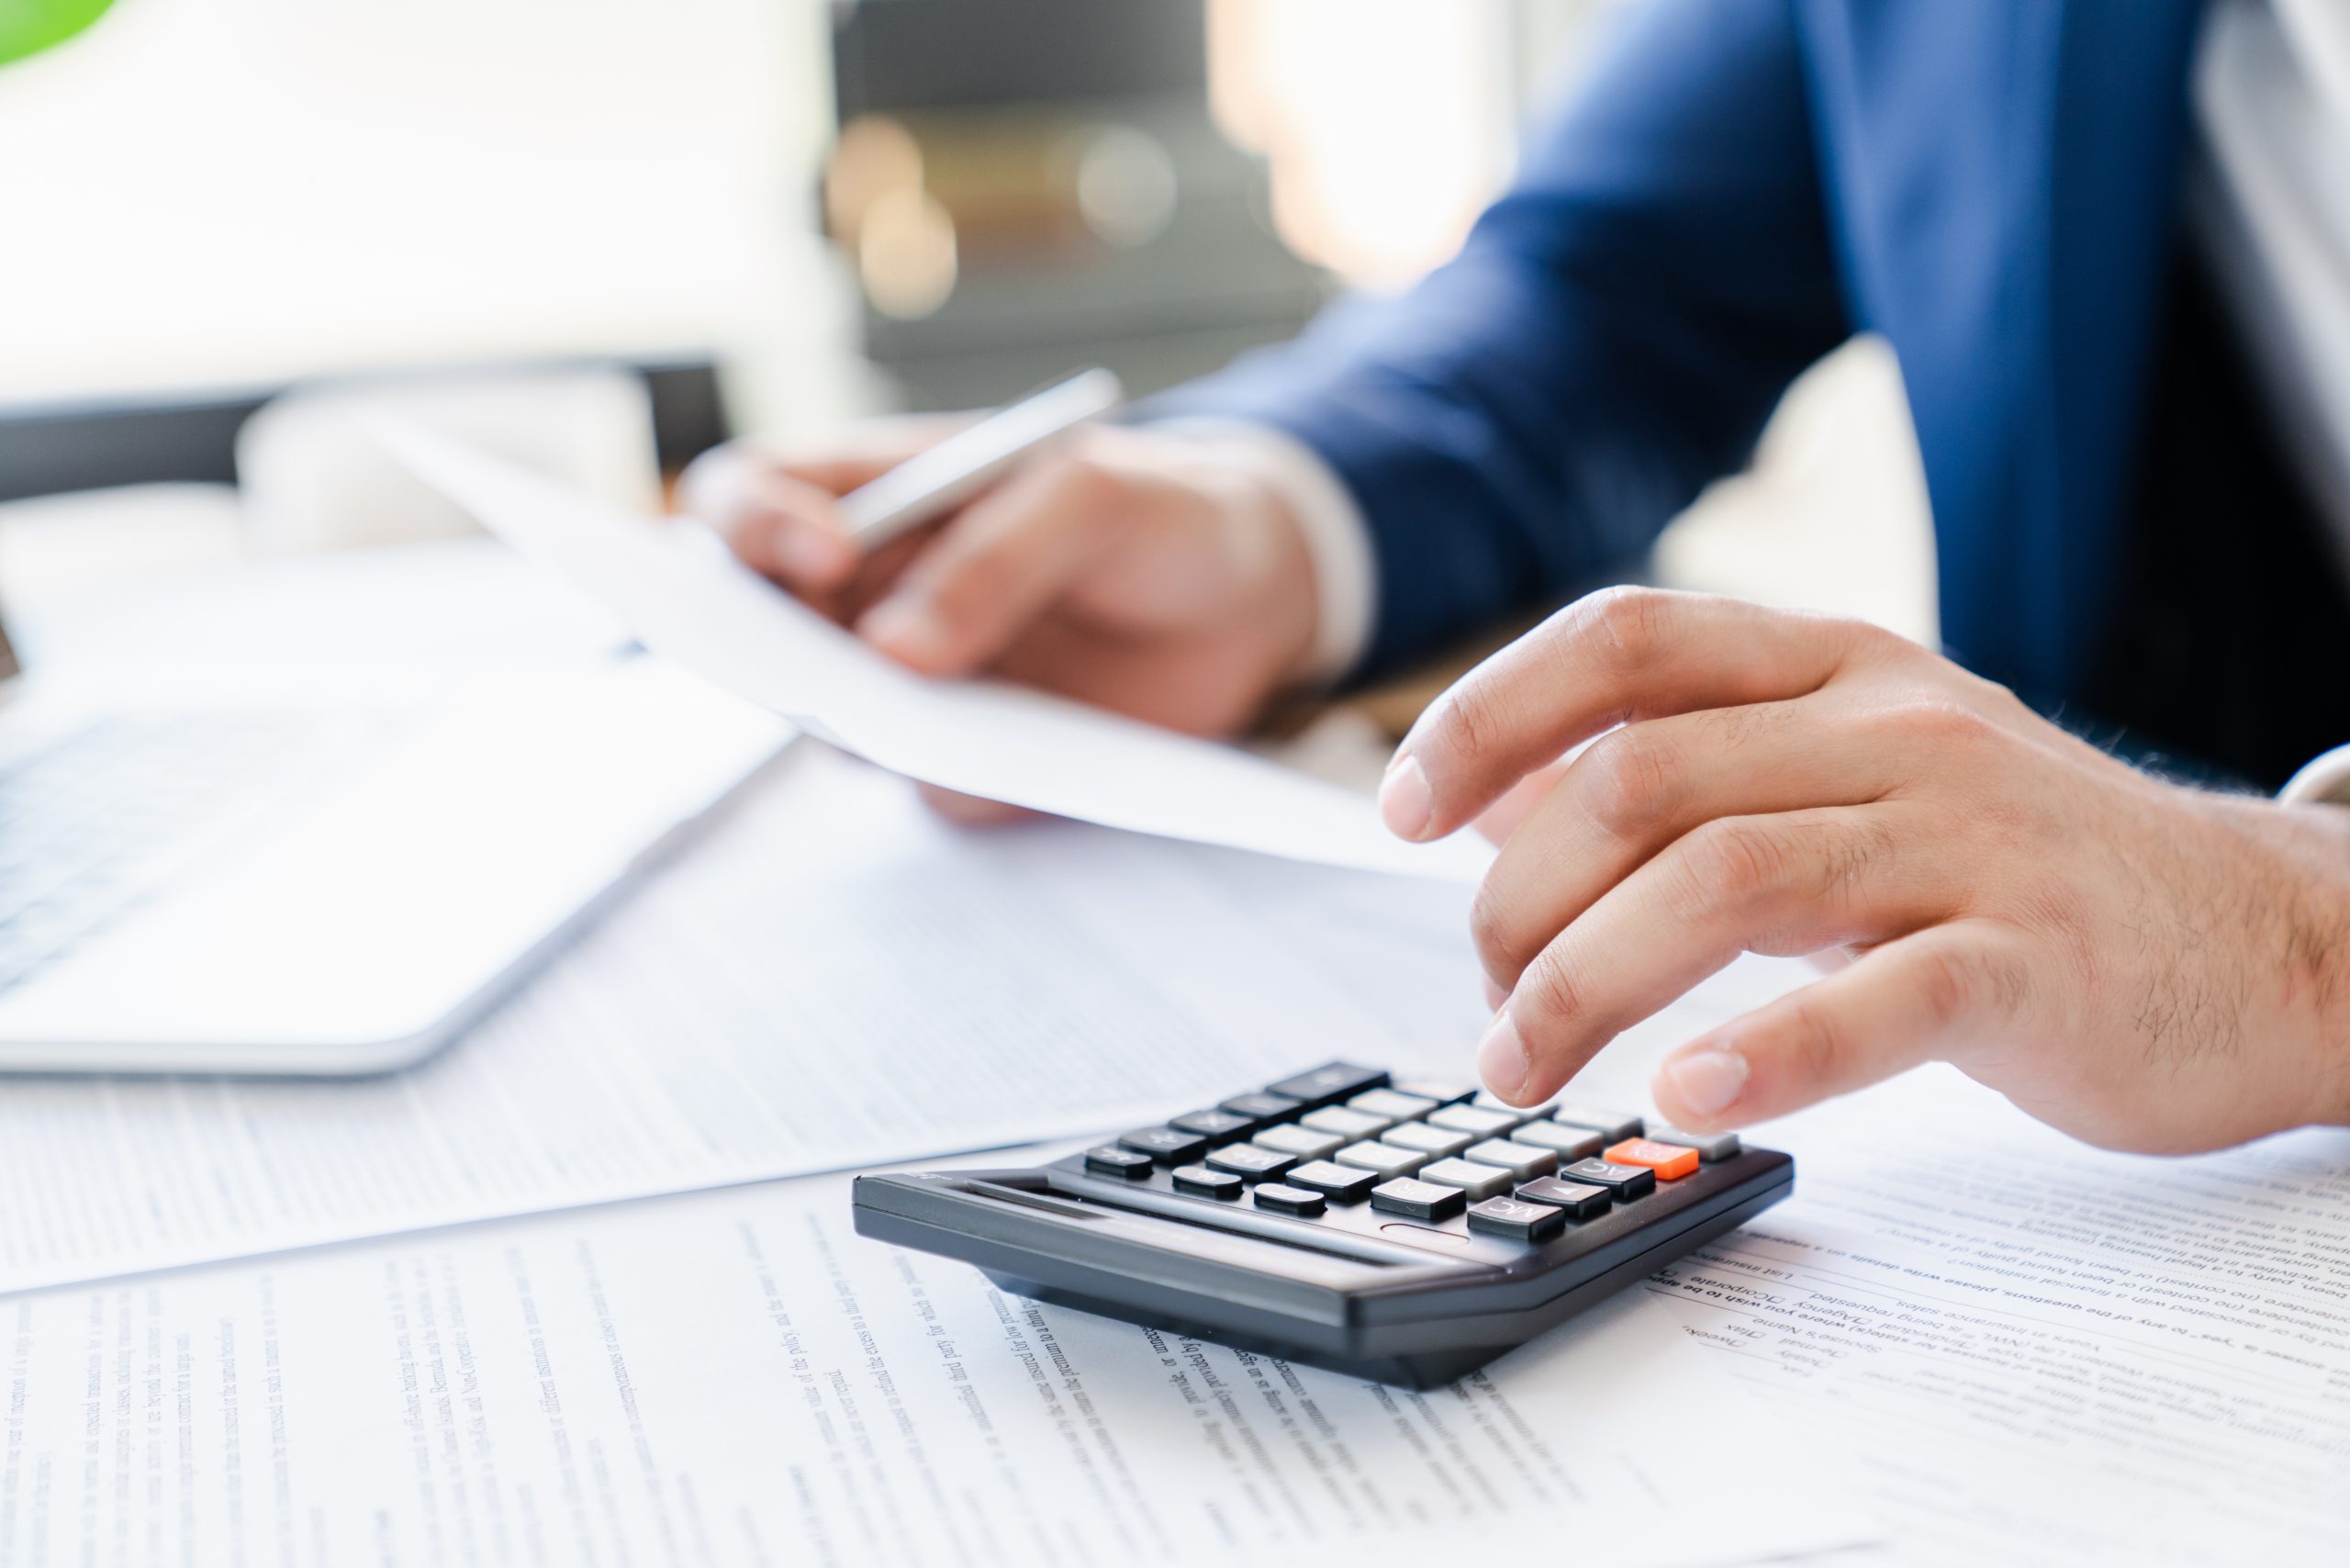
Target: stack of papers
571	1313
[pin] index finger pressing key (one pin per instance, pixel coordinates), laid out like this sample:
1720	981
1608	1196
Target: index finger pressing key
1620	655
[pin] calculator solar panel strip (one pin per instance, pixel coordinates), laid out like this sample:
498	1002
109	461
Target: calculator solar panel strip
1358	1289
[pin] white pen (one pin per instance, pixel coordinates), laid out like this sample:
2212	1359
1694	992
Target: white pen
945	475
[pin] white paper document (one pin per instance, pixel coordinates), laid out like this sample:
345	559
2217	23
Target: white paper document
735	1377
2033	1352
833	976
676	586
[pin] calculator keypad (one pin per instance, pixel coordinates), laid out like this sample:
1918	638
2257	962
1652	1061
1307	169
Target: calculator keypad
1434	1153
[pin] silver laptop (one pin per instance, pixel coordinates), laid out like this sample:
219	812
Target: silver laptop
324	872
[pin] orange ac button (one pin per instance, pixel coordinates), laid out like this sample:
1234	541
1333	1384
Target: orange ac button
1667	1160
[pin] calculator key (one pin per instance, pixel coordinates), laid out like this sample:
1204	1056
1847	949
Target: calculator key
1435	1142
1711	1146
1670	1162
1580	1200
1219	1124
1341	1183
1345	1122
1566	1142
1624	1181
1522	1162
1443	1093
1471	1119
1391	1103
1111	1161
1289	1199
1207	1183
1420	1200
1302	1142
1263	1108
1384	1159
1487	1100
1613	1125
1330	1083
1479	1181
1519	1221
1172	1145
1256	1164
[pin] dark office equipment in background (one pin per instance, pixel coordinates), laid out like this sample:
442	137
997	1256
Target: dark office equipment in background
1071	199
47	449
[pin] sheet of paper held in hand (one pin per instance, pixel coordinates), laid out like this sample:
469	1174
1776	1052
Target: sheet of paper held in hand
677	589
735	1377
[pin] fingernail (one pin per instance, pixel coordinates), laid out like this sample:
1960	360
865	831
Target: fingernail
1404	803
1708	1083
904	628
1501	1058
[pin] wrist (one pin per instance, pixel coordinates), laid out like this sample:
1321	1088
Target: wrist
1285	608
2312	896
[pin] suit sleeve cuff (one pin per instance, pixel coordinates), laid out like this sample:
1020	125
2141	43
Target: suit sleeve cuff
2324	778
1337	540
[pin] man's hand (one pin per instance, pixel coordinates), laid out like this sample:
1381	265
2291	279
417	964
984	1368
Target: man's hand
1122	567
2142	964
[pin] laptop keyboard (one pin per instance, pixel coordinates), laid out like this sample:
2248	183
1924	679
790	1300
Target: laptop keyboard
100	821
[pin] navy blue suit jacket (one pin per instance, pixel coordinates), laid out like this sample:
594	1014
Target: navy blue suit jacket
1992	184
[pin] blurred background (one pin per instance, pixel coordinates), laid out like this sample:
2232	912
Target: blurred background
604	234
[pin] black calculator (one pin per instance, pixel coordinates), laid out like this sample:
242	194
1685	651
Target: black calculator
1399	1229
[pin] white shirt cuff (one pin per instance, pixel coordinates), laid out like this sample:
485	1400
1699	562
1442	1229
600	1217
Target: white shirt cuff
1338	541
2326	777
